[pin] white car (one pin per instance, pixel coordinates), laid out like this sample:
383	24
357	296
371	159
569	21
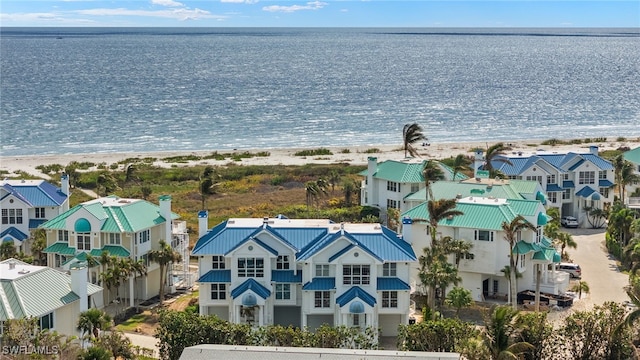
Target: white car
569	222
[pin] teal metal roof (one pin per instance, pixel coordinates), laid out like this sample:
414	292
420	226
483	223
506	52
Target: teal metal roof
118	215
547	254
114	250
525	207
476	216
511	189
60	248
633	156
399	171
522	247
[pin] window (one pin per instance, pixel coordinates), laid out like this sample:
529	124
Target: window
415	188
392	204
39	213
322	270
12	216
250	267
535	178
586	177
393	186
218	291
283	262
495	286
63	236
83	241
552	196
46	322
602	174
218	262
551	179
522	260
59	260
322	299
565	176
143	236
604	192
469	256
283	291
356	319
389	299
389	269
114	239
483	235
356	274
566	194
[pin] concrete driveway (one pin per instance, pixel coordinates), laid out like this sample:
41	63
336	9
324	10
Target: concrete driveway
599	270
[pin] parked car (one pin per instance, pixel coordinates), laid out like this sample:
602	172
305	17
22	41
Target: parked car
573	269
569	222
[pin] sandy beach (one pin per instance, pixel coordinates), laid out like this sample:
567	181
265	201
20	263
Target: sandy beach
10	166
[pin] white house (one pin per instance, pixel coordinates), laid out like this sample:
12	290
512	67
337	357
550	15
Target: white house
633	156
25	204
388	183
52	296
123	228
486	204
571	181
304	272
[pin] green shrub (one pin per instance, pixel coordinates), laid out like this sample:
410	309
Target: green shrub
314	152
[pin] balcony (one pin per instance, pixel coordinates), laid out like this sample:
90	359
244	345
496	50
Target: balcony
553	282
633	202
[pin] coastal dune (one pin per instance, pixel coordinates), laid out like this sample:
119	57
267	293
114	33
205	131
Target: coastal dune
11	166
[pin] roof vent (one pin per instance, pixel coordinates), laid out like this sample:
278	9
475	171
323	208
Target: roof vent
12	265
23	271
478	179
459	196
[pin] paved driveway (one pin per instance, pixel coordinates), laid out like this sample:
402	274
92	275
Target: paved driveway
599	270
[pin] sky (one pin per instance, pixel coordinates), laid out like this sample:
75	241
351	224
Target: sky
319	13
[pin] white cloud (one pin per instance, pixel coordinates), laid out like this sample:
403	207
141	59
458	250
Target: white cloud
179	14
169	3
313	5
239	1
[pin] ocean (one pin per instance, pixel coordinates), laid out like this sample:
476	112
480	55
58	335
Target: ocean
101	90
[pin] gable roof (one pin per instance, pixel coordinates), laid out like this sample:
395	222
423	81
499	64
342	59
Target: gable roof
116	214
500	189
408	170
253	285
355	292
36	193
13	233
633	155
22	290
562	162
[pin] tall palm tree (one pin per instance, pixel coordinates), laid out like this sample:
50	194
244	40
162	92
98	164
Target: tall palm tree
627	176
460	163
457	247
511	229
506	270
565	240
164	256
348	188
334	178
492	155
411	134
439	210
500	334
38	245
208	184
312	192
431	172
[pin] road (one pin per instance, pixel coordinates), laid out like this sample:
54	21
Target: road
144	341
599	270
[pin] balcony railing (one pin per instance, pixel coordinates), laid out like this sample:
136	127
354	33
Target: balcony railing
633	202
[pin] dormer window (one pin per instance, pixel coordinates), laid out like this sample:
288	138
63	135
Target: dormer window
356	274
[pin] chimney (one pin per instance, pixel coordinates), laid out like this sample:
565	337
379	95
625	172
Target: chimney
478	161
64	187
79	284
593	149
165	212
265	222
372	167
12	265
203	223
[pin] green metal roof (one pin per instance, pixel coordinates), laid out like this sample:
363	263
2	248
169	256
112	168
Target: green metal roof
451	189
115	250
524	186
633	155
476	216
524	207
547	254
117	215
37	293
399	171
60	248
523	247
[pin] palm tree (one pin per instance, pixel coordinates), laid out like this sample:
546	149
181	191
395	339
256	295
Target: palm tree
492	155
439	210
207	184
500	334
460	163
627	176
506	270
137	269
164	256
458	298
565	240
431	172
38	245
411	134
334	179
312	192
92	321
580	287
7	250
457	247
349	188
511	229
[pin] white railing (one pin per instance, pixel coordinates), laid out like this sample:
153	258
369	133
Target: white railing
633	202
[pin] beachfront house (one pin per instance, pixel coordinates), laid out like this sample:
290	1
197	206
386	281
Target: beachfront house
633	156
25	204
572	182
486	204
124	228
304	273
385	185
55	298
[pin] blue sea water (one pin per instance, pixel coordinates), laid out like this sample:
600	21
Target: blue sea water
89	90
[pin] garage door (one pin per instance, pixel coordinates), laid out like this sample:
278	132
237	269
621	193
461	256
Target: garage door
287	315
220	311
315	321
389	324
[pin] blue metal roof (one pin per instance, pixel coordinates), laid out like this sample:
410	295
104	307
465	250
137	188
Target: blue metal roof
320	284
576	165
216	276
300	237
605	183
559	161
553	188
339	253
40	195
13	233
599	161
251	284
257	241
391	283
355	292
585	191
286	276
34	223
568	184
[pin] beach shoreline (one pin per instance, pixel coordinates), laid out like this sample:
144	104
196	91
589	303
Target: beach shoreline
12	166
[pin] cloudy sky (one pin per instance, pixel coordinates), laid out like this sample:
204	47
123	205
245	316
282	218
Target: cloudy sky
321	13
